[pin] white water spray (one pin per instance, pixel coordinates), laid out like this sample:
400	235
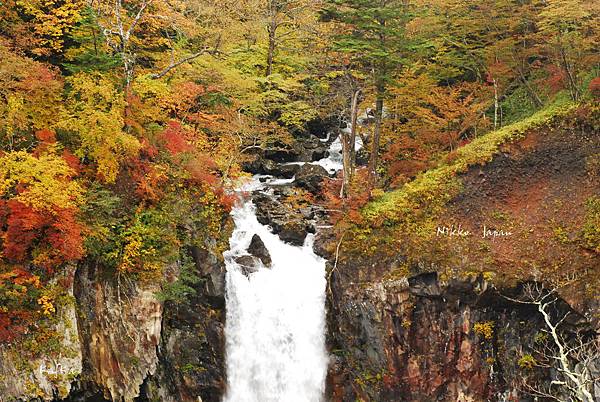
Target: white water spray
275	328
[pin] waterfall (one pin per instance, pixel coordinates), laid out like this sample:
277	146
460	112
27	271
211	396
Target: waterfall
275	326
275	319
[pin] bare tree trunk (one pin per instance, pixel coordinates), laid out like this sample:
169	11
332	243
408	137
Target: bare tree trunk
348	140
567	68
536	99
353	120
376	137
495	104
271	29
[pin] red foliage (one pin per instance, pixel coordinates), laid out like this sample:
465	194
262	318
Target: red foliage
406	158
227	200
556	80
45	135
13	324
174	138
71	160
23	225
595	87
148	150
57	235
346	209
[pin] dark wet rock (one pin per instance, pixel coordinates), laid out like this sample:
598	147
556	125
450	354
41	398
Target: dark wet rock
319	127
294	232
362	157
426	345
286	171
282	153
266	166
425	285
319	153
248	264
287	222
257	248
310	177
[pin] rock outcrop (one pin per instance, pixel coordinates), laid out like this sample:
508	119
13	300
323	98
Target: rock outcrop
417	339
26	372
257	249
286	221
120	326
310	177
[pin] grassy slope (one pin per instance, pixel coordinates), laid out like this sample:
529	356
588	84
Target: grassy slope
425	196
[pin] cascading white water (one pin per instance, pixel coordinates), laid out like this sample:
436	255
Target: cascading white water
275	319
275	327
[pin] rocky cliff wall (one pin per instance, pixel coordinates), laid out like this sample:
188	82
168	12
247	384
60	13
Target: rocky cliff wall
427	320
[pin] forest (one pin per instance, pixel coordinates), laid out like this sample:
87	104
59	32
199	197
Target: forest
126	126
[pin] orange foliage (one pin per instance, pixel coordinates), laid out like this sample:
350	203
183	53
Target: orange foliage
346	209
71	160
595	87
556	79
406	158
175	138
47	238
45	135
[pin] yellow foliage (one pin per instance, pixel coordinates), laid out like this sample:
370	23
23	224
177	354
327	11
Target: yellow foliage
137	257
47	307
485	329
95	110
47	179
30	97
52	19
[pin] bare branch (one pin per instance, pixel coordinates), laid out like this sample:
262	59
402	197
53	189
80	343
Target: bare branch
173	65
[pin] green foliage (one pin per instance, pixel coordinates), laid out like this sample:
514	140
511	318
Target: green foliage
85	52
516	106
104	214
527	362
182	289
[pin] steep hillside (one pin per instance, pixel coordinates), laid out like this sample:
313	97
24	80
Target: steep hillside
429	308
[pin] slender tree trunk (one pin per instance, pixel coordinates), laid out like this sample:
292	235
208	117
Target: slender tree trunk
536	99
495	104
567	68
353	120
376	137
345	140
348	140
272	30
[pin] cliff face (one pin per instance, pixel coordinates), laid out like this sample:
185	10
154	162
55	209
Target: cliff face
417	339
428	320
121	343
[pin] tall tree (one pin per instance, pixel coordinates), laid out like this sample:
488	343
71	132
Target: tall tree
372	34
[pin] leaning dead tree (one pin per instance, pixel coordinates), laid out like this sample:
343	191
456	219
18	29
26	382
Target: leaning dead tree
572	357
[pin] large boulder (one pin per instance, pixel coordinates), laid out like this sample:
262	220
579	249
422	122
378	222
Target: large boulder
281	152
310	177
290	224
261	165
257	248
